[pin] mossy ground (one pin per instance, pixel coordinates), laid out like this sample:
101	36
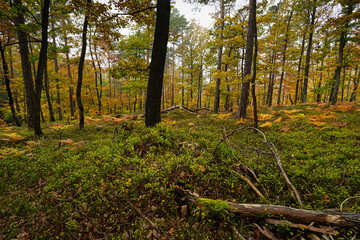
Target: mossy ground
87	184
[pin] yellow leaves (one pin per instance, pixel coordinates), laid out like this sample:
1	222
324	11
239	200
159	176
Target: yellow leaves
241	121
59	126
267	124
264	117
168	122
317	123
11	137
224	115
78	145
191	124
5	152
278	120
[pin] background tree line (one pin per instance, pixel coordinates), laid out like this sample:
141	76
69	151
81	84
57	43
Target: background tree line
307	51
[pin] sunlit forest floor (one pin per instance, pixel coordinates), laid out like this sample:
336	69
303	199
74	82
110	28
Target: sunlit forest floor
116	179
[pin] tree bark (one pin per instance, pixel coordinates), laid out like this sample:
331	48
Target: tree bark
58	99
327	217
15	117
342	43
81	68
25	62
47	93
244	98
308	53
156	75
219	58
284	57
253	93
71	91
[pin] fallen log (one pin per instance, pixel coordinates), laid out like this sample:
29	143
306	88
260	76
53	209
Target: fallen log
329	217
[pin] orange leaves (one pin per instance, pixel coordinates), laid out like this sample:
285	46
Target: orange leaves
78	145
11	137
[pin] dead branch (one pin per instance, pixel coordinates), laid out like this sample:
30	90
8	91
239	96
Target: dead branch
267	233
276	155
248	182
228	135
322	229
279	164
329	217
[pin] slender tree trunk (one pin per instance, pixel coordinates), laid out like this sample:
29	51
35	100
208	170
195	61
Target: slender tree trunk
219	58
71	91
16	94
342	43
244	98
198	102
96	74
100	77
284	56
15	117
318	96
58	98
308	54
81	68
47	93
253	92
356	82
156	75
298	79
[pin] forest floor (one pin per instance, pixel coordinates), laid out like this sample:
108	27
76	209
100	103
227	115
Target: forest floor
116	179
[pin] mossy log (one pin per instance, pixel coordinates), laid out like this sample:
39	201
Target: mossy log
327	217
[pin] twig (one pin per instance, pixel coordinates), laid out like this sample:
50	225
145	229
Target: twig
341	205
233	131
115	134
279	164
249	182
266	232
237	233
325	230
152	224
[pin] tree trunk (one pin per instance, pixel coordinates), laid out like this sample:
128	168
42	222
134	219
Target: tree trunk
284	57
47	93
327	217
58	99
298	79
25	63
244	98
81	68
15	117
318	96
342	43
156	75
356	82
253	93
308	53
219	58
97	88
71	92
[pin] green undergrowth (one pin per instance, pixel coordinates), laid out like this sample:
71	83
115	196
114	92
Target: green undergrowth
101	182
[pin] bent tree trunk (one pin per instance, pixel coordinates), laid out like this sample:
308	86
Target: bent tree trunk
80	71
15	117
157	65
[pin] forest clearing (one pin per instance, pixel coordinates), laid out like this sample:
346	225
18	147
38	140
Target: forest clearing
117	179
248	128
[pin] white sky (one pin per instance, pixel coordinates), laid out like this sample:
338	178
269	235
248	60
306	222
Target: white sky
202	13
